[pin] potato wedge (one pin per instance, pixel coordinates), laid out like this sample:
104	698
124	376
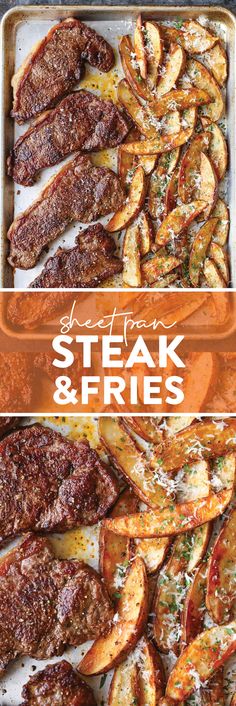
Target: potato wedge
124	688
130	461
131	69
189	173
164	143
194	606
175	424
233	700
200	367
145	233
205	439
213	692
144	120
157	266
139	48
115	552
203	79
126	162
221	212
194	38
178	220
147	162
218	151
180	99
166	701
216	60
205	655
199	250
171	520
125	215
153	552
220	258
154	46
165	282
171	193
146	427
151	673
109	650
212	274
159	182
173	70
208	185
221	590
131	257
194	483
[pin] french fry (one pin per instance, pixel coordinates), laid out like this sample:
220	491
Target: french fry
125	161
221	589
157	266
144	119
115	552
194	606
131	257
131	69
159	182
153	552
130	461
216	60
151	673
180	99
203	79
155	51
145	233
139	48
194	38
146	427
164	143
148	162
212	274
189	173
124	688
218	151
110	650
173	70
209	184
199	250
126	214
195	484
205	439
171	520
171	193
221	212
178	220
220	258
204	656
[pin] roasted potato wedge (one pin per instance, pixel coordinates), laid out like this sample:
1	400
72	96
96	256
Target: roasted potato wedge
125	161
139	48
218	151
205	655
147	162
171	520
124	688
126	214
194	38
157	266
110	650
131	69
173	70
200	366
221	212
166	701
202	440
175	424
208	185
159	182
189	173
221	591
164	143
216	60
171	194
199	250
213	692
213	276
153	552
195	484
151	673
131	257
144	119
130	461
115	552
194	606
146	427
180	99
164	282
145	233
178	220
220	258
155	52
203	79
233	700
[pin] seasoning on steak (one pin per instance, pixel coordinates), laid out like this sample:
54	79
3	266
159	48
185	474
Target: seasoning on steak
48	482
8	423
57	685
54	66
82	121
47	603
79	192
87	264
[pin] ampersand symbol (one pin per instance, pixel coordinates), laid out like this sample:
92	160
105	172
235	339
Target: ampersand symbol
63	394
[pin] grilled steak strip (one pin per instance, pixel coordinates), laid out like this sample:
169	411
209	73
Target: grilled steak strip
57	685
82	121
47	603
54	66
79	192
51	483
86	265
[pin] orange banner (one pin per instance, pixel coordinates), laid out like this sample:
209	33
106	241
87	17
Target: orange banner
112	351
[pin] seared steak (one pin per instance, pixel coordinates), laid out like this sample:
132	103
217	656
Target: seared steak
47	603
55	65
86	265
79	192
48	482
82	121
57	685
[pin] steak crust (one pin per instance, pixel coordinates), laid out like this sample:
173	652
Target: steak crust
54	66
81	121
51	483
57	685
87	264
80	192
47	603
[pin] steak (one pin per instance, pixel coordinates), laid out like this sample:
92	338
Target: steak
8	423
54	66
87	264
57	685
82	121
47	603
48	482
79	192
